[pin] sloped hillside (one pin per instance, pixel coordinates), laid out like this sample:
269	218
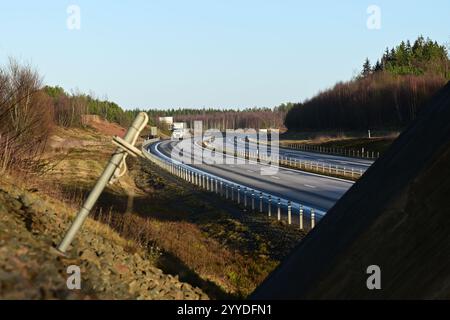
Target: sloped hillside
158	227
397	217
35	212
111	267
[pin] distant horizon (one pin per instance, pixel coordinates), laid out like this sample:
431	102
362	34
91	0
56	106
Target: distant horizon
202	54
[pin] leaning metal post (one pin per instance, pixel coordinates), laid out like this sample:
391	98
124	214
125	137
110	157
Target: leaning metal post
130	138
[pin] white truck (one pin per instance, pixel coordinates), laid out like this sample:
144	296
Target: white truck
179	131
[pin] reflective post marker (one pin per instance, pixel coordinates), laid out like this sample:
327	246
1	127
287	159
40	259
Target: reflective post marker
289	212
301	218
279	209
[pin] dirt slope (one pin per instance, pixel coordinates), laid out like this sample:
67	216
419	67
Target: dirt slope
397	217
111	267
34	215
149	219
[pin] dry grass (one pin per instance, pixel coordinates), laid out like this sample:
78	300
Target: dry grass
157	215
376	144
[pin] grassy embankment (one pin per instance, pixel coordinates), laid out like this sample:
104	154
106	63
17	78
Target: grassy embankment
349	141
196	236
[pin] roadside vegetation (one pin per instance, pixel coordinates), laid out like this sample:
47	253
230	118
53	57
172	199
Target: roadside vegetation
55	153
190	235
386	96
54	145
341	144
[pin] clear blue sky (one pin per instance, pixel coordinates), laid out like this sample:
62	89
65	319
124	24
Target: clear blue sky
209	53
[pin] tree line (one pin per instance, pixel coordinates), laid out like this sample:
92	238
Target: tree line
387	95
29	111
70	107
223	119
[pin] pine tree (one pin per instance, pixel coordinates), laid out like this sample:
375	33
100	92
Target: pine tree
378	66
367	68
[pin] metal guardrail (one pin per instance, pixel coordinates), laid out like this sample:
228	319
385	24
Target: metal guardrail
350	153
310	166
358	153
250	199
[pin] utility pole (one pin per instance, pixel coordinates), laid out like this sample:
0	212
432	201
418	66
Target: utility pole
115	168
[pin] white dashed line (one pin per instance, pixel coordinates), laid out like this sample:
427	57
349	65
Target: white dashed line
309	186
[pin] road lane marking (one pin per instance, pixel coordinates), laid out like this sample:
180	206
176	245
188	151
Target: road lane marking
309	186
275	177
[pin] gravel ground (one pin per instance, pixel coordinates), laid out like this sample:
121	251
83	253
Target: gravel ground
31	269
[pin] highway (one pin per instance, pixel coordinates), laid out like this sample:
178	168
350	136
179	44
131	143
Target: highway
333	160
312	190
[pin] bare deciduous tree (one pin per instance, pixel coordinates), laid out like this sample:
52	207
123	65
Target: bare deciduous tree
26	115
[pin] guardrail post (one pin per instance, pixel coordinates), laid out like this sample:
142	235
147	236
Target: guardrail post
232	192
245	197
279	209
239	195
301	218
217	187
221	188
253	200
260	202
313	219
289	212
269	208
226	191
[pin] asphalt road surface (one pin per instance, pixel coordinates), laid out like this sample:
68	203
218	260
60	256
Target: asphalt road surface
333	160
312	190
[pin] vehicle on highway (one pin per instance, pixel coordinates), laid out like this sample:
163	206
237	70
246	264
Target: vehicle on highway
180	134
